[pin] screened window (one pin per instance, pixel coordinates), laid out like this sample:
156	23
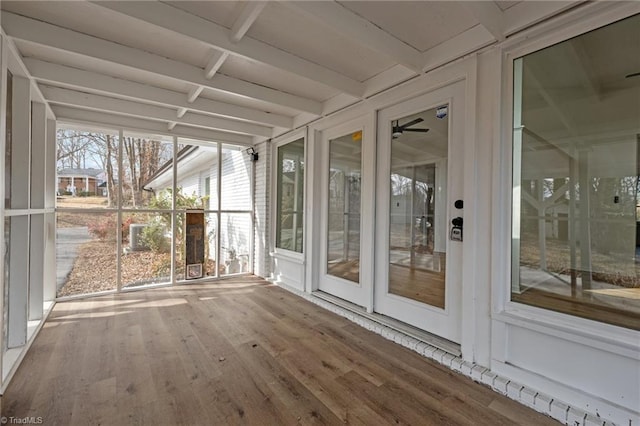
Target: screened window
290	193
576	157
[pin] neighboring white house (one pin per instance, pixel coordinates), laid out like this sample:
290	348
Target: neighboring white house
197	175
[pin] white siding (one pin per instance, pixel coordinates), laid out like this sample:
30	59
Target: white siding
262	259
236	180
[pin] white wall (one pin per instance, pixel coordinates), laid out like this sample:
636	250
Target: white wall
577	363
262	260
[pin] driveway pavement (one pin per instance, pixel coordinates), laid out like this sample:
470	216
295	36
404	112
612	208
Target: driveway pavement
67	242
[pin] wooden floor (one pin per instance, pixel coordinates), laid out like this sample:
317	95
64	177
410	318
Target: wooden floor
238	351
417	284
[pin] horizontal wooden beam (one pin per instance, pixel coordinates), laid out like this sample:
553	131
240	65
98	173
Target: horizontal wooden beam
247	17
103	120
48	35
56	74
181	22
56	95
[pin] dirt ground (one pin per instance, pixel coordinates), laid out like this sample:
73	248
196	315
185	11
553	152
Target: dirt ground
95	268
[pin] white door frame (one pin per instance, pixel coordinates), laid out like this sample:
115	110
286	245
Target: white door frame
445	322
362	293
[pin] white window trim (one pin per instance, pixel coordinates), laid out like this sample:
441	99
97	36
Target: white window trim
593	333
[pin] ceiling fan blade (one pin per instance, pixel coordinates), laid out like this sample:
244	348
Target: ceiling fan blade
411	123
417	130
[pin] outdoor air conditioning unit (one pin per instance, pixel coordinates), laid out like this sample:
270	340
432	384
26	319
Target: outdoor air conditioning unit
135	237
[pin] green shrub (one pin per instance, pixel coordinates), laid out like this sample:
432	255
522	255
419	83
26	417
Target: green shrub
153	236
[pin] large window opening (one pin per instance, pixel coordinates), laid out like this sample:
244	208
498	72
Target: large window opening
576	165
122	205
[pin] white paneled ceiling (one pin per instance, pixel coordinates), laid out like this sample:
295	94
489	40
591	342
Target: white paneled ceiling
240	71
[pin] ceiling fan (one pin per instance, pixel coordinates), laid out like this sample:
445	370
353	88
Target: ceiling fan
398	129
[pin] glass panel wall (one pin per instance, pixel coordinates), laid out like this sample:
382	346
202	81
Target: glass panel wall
343	225
142	238
290	196
197	188
576	158
87	198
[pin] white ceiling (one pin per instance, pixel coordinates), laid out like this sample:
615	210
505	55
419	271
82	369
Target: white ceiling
239	71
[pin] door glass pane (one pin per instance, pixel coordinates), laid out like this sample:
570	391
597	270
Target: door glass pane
417	222
343	225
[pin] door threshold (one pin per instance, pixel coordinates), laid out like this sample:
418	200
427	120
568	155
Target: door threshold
398	326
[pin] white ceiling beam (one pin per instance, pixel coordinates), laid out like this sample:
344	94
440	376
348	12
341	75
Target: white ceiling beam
48	72
217	59
101	119
357	28
528	13
194	93
56	95
48	35
489	15
217	36
171	125
181	112
469	41
247	17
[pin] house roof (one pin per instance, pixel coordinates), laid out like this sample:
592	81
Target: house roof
80	172
242	71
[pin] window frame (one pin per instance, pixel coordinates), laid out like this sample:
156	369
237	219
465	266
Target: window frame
289	138
582	330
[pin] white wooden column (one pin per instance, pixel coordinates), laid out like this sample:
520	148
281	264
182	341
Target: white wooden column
50	188
36	258
19	237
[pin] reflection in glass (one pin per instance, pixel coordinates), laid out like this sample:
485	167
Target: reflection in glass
418	229
576	238
343	225
290	190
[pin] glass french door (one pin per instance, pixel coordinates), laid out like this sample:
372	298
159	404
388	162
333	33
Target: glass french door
419	178
347	217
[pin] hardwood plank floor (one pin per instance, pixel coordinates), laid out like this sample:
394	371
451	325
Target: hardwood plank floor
238	351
